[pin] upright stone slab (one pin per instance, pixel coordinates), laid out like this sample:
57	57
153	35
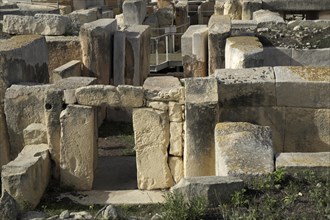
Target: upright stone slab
194	51
24	105
152	134
219	31
119	50
243	149
96	40
201	114
233	9
243	52
27	177
250	6
181	19
78	148
134	12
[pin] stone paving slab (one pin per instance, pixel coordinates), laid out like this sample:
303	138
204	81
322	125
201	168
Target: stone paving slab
128	197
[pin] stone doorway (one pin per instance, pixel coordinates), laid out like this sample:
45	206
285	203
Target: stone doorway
116	164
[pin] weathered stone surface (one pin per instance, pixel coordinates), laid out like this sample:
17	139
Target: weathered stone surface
274	117
72	68
96	40
176	167
215	189
134	11
24	105
98	95
246	87
80	17
303	86
250	6
307	130
276	56
163	106
201	115
131	96
219	31
176	141
233	9
26	177
267	18
243	149
35	133
297	162
310	57
243	27
8	207
43	24
78	148
194	51
119	49
82	4
219	7
205	11
181	18
175	111
243	52
4	143
164	88
152	134
283	5
61	50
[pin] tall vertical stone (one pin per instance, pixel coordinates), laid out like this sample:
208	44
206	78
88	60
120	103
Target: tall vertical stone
201	114
78	148
181	18
219	31
152	134
119	58
134	11
250	6
194	51
96	40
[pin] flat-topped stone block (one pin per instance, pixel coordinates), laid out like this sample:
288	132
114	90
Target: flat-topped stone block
98	95
164	88
243	52
303	86
194	51
246	87
297	162
72	68
243	27
243	149
215	189
267	18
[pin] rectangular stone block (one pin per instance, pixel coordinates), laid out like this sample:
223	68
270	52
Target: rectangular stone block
246	87
152	135
250	6
98	95
176	141
96	40
194	51
266	18
78	149
276	56
27	177
176	167
311	57
134	12
303	86
243	27
131	96
283	5
119	63
219	30
175	111
72	68
201	116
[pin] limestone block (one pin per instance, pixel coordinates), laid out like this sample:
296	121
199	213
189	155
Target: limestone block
175	111
4	142
250	6
72	68
119	49
74	82
96	40
246	87
219	31
243	52
243	27
201	115
131	96
98	95
163	106
163	88
233	9
35	133
277	56
27	177
194	51
61	50
311	57
43	24
216	189
176	141
176	167
134	12
83	4
298	162
283	5
243	149
24	105
307	130
274	117
267	18
80	17
152	134
181	18
303	86
78	148
219	7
